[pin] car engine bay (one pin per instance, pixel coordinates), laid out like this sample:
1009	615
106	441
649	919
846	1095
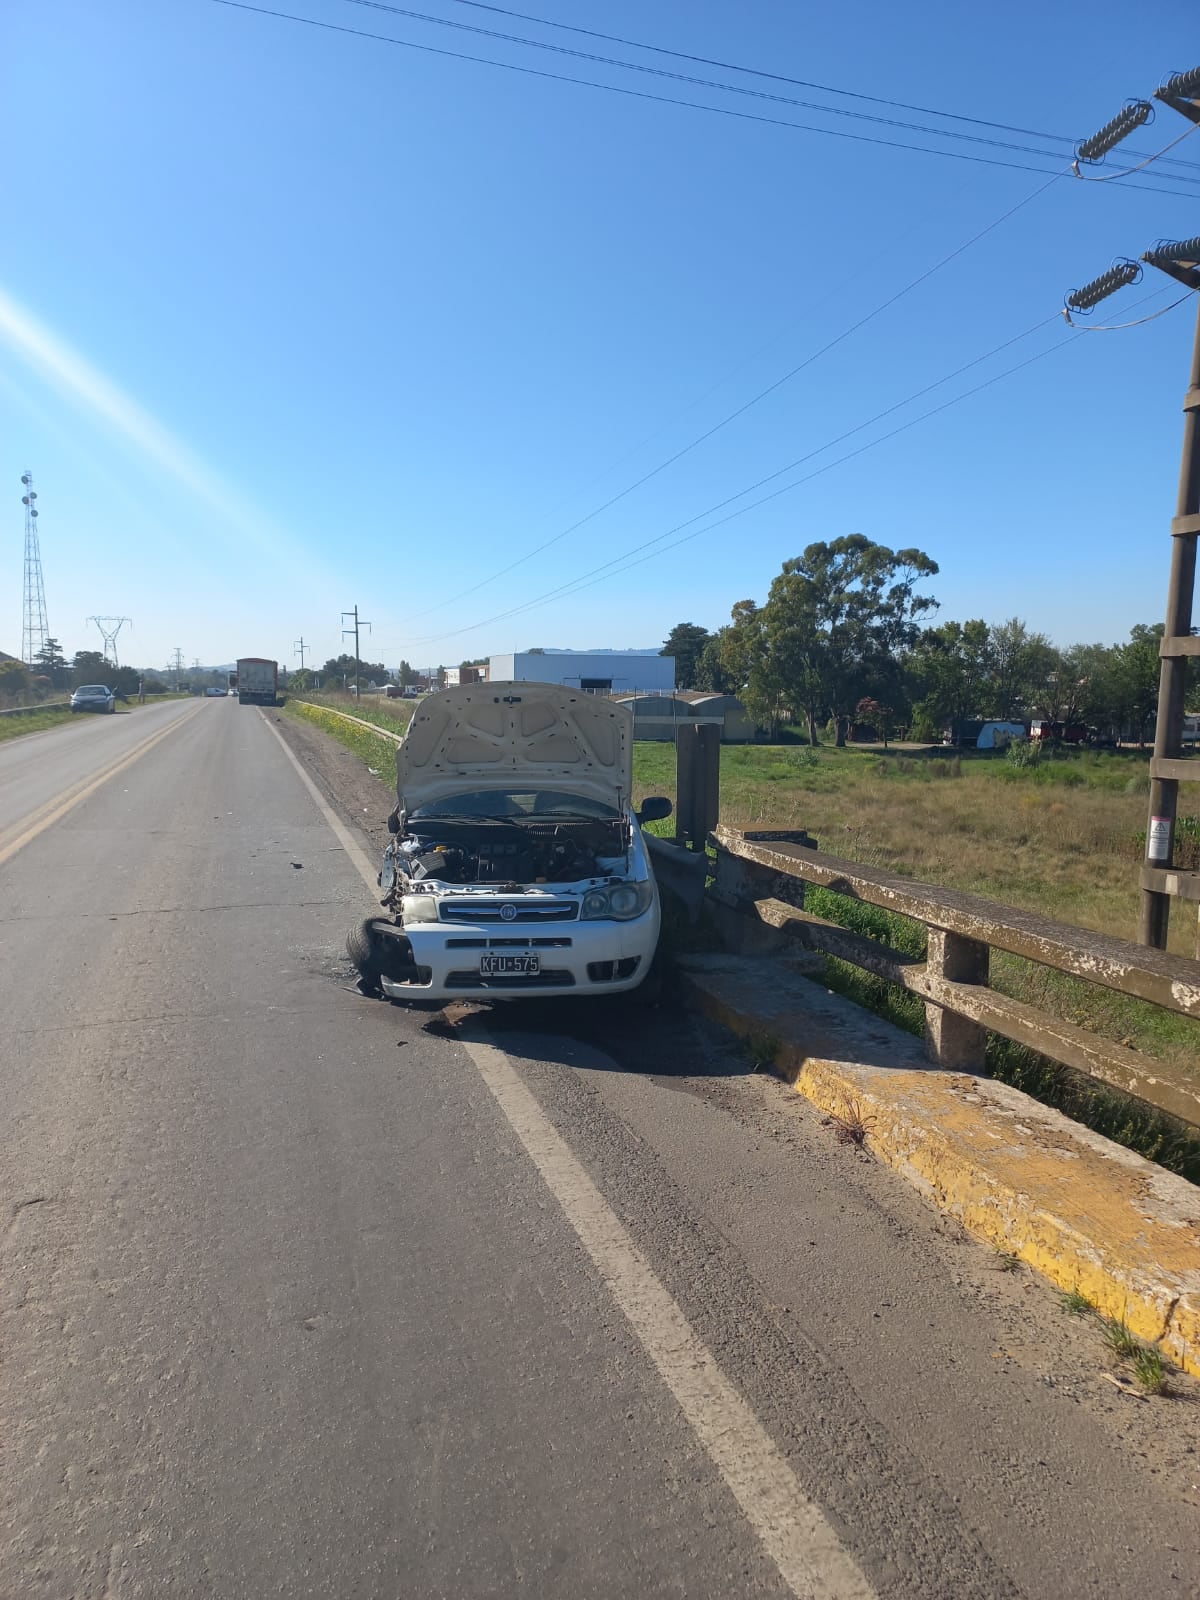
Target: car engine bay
503	852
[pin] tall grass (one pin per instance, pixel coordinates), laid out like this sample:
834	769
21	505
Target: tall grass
1062	836
32	722
394	715
377	751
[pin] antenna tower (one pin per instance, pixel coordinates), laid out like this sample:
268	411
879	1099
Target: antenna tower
110	627
35	630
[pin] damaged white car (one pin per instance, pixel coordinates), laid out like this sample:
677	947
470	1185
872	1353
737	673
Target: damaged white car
517	865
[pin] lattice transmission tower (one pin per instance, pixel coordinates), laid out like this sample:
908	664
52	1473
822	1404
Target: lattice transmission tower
35	630
110	627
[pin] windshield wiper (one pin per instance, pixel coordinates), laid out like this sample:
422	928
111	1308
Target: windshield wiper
454	816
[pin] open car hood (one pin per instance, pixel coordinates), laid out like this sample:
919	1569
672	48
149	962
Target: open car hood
514	736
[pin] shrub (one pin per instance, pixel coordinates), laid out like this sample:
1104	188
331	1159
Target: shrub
1023	753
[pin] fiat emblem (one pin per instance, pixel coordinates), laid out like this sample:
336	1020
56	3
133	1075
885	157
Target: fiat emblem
508	913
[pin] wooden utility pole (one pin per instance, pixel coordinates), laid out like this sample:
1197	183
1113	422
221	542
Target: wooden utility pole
1179	260
1178	647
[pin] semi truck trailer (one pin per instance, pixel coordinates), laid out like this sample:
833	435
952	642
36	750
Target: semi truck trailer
257	681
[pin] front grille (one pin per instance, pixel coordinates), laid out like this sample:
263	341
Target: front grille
526	911
508	944
540	980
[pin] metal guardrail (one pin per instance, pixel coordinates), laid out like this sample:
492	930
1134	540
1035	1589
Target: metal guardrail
360	722
763	874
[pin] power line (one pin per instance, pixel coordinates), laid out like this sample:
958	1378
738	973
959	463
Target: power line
643	94
676	415
707	83
761	395
597	572
689	78
779	77
646	551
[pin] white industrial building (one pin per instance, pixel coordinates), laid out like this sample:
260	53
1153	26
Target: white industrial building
596	671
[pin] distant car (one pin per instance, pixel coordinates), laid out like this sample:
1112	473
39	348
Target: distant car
93	697
213	693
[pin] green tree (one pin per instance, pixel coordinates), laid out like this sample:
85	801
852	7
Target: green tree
748	666
840	618
123	680
1025	668
14	679
89	666
950	668
710	668
343	666
1135	678
51	663
1085	674
686	642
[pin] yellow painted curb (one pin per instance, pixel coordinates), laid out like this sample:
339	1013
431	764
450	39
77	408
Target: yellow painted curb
1086	1213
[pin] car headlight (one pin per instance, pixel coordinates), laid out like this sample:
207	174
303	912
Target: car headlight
620	903
419	908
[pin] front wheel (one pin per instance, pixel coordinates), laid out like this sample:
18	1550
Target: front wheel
379	949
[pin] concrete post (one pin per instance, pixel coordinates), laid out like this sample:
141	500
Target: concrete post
955	1042
698	766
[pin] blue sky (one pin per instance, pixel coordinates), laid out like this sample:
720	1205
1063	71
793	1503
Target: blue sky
292	320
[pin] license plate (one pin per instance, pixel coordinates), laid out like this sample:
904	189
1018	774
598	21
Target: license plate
509	966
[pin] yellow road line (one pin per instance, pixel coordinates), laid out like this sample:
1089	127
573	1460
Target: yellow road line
52	811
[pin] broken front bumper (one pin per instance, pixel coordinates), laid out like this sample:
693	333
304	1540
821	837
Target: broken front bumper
575	957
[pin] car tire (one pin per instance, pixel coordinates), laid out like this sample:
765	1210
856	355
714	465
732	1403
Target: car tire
360	947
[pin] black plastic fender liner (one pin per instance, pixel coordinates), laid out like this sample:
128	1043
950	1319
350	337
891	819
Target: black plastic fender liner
380	949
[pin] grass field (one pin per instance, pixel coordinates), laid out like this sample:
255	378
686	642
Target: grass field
31	722
1063	837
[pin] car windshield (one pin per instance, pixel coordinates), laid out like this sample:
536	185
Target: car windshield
94	689
515	804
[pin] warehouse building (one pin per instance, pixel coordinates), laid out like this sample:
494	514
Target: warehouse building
595	671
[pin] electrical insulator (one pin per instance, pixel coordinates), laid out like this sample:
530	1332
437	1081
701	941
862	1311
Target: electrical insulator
1118	276
1184	252
1122	125
1182	86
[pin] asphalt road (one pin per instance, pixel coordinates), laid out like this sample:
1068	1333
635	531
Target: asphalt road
308	1295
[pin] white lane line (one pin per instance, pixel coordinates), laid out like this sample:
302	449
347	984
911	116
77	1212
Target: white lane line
345	838
811	1559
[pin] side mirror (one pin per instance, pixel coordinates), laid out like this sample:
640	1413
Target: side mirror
655	808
